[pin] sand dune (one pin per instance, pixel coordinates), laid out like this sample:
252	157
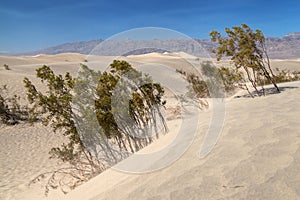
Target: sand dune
24	155
257	155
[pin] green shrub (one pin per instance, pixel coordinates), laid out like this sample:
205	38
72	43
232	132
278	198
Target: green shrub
11	112
246	49
215	81
231	78
92	94
6	67
283	76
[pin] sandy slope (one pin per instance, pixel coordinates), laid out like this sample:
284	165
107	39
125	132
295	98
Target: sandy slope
256	157
24	155
23	148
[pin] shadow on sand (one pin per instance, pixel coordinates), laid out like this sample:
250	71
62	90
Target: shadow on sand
268	91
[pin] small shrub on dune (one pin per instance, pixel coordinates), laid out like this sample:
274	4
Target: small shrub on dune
215	81
11	112
284	76
6	67
246	49
64	94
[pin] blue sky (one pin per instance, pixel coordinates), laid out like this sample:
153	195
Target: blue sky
34	24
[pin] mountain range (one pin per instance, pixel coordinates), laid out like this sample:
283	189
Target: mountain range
287	47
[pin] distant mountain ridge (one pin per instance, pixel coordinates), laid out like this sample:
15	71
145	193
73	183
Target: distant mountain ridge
287	47
83	47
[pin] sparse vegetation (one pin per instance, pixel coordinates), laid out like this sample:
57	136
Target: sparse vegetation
11	112
197	89
198	86
246	48
6	67
284	76
220	80
90	94
231	79
74	107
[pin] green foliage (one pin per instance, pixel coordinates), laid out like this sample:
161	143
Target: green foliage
213	79
11	112
198	87
217	81
78	107
246	48
141	96
231	78
54	107
283	76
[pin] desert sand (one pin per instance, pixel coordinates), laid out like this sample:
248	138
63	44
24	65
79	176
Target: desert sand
257	155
